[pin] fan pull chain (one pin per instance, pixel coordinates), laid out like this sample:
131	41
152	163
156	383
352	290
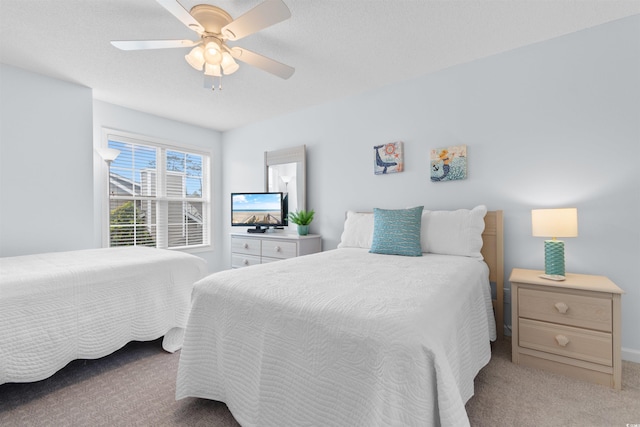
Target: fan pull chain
213	87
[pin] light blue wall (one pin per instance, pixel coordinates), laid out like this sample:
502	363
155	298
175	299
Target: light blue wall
554	124
46	191
49	173
550	125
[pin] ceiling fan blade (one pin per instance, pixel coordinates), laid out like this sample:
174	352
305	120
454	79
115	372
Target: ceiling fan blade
260	17
152	44
269	65
182	14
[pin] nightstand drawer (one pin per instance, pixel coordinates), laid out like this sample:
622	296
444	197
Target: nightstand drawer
279	249
566	308
242	260
246	246
582	344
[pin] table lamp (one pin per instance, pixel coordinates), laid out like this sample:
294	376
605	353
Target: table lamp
554	223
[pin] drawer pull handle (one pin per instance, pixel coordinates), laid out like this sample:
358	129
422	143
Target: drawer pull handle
561	307
245	261
562	340
246	246
277	248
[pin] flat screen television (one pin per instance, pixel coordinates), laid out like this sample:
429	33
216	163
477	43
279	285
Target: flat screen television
258	210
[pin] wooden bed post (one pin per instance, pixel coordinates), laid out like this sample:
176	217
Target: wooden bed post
493	253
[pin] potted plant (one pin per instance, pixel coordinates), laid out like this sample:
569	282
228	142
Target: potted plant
302	219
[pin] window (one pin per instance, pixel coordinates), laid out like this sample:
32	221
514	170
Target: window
158	194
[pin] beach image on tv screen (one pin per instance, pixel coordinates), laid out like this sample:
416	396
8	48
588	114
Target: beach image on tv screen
253	209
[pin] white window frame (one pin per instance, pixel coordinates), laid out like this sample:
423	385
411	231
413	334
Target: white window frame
162	208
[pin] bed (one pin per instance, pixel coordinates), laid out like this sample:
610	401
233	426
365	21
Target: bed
61	306
347	337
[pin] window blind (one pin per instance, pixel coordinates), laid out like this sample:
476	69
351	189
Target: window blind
158	195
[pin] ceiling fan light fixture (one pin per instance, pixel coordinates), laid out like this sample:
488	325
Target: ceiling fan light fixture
229	66
215	27
195	58
212	51
212	70
212	56
212	45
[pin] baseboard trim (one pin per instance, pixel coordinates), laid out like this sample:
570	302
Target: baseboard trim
630	355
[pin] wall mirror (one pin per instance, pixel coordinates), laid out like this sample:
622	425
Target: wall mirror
286	171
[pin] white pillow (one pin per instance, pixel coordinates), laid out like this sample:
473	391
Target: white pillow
358	230
456	232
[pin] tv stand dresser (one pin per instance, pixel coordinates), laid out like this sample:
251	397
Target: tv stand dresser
251	249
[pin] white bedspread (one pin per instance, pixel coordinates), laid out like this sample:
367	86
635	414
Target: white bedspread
57	307
341	338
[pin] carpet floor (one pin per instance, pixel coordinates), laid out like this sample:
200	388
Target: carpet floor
135	386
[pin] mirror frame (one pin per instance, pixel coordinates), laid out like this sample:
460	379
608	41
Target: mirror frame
290	155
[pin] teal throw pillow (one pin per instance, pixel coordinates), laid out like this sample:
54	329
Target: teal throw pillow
397	232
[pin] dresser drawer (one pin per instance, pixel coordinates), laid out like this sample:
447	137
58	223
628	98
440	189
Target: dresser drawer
279	249
266	260
246	246
582	344
251	249
582	311
242	260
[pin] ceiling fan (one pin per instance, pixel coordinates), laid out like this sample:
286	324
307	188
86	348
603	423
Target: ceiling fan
215	27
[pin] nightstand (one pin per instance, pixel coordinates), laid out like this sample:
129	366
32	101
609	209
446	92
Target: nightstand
569	327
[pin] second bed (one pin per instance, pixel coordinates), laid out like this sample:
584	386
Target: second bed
343	337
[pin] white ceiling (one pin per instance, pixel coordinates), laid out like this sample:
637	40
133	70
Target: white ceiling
339	48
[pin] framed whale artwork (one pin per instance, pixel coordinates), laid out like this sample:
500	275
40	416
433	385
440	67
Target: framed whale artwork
388	158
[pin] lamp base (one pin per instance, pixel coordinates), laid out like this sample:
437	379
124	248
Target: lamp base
555	277
554	257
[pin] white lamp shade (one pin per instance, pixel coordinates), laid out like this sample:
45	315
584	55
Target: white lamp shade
212	70
212	54
229	66
108	154
554	222
195	58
